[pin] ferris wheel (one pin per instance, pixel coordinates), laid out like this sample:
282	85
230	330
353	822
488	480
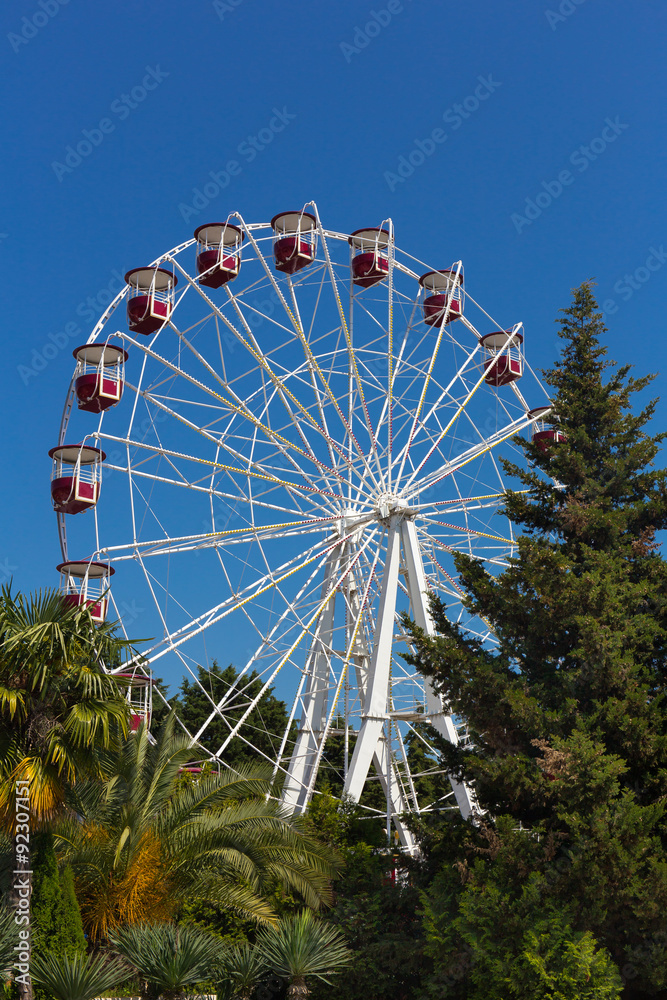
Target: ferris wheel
297	429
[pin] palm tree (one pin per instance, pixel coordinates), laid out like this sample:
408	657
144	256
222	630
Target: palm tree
302	946
242	970
56	702
147	839
57	705
81	977
9	938
169	957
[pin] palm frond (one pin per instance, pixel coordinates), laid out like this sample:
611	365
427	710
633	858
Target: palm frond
79	978
303	946
168	956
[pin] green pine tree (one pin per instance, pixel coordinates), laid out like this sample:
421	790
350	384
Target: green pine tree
72	940
46	900
568	711
55	916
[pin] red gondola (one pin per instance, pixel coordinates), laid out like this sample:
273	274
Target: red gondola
99	376
151	298
218	253
139	695
545	429
370	263
445	298
295	240
85	584
76	478
502	364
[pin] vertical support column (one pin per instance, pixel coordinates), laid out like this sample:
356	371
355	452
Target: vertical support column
377	689
315	700
393	791
417	587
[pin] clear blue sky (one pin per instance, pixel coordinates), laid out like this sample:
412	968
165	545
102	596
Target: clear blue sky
492	111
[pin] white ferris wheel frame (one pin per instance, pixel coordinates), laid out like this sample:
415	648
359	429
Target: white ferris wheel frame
342	558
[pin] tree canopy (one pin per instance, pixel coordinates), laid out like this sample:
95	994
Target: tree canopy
568	706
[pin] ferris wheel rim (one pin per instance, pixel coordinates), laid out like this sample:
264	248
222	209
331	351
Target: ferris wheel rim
353	513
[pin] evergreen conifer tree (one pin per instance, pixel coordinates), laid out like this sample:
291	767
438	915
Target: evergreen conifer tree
568	710
72	939
46	900
55	919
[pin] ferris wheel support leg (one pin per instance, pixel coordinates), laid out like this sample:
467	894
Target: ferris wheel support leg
377	693
398	802
441	720
315	700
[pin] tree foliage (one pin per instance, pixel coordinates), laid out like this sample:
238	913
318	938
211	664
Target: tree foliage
80	977
568	710
169	957
55	918
149	838
302	947
56	702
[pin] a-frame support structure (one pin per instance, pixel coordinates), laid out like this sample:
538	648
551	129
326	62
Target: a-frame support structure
372	668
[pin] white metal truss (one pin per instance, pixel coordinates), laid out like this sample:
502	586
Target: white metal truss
292	464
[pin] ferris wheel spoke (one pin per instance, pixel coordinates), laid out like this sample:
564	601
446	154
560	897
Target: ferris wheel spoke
243	411
249	473
351	353
394	368
480	449
427	380
325	469
213	493
327	387
437	405
310	357
219	611
303	632
240	410
252	593
470	531
237	691
250	344
213	539
469	396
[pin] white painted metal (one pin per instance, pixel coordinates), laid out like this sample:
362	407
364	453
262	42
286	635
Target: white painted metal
315	700
294	459
418	589
376	694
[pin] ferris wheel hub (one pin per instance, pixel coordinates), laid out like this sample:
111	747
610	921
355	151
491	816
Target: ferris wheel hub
389	505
